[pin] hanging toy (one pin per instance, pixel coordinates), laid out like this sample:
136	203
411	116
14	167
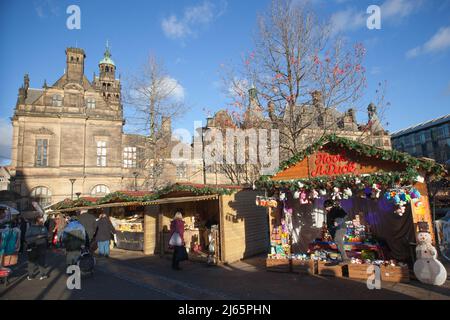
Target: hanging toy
400	209
323	192
282	196
357	181
297	194
414	193
303	198
347	193
336	195
376	191
368	192
301	185
314	194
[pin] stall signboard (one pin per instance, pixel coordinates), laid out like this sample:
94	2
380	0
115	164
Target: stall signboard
326	164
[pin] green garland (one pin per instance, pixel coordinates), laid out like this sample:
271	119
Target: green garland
117	197
384	179
365	150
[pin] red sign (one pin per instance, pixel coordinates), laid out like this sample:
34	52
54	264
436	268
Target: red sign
325	164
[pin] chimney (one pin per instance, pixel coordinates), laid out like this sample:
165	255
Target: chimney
166	126
75	64
317	99
271	108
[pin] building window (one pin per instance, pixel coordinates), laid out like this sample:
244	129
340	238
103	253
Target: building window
41	152
99	190
101	154
181	171
90	103
57	100
129	157
42	195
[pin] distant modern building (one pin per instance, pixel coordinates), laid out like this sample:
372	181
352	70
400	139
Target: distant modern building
429	139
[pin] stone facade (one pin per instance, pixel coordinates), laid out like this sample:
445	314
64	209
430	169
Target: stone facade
73	129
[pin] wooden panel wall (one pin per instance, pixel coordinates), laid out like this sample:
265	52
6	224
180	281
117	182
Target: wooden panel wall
245	226
150	229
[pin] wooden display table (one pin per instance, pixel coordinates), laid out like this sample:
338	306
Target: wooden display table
329	269
395	274
278	265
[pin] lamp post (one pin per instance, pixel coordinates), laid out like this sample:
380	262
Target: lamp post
78	195
72	181
135	174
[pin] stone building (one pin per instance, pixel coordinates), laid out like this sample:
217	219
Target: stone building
69	140
4	178
315	120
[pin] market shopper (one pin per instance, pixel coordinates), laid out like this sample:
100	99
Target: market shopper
36	239
105	230
73	239
23	226
60	226
336	217
177	241
90	225
50	224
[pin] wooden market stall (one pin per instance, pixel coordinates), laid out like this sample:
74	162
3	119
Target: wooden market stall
383	192
238	226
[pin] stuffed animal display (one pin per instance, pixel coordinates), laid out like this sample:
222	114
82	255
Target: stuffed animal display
427	268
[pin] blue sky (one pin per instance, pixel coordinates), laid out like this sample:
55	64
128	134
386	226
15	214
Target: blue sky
411	51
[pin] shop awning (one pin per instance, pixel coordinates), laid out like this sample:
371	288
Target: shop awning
146	203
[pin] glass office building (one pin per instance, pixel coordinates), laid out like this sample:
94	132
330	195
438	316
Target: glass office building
430	139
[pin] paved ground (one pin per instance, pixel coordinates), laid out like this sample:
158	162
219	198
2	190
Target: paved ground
129	275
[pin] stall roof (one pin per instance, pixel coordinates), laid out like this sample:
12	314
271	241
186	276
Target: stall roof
144	203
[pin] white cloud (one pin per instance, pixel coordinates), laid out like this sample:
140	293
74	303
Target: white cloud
5	141
172	87
440	41
173	28
192	18
347	20
352	19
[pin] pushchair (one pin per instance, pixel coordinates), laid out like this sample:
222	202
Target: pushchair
86	262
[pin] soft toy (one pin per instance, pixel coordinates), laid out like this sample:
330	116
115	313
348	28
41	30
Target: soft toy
336	195
414	193
301	185
282	196
347	193
368	192
400	209
303	198
323	192
427	268
296	194
376	191
314	194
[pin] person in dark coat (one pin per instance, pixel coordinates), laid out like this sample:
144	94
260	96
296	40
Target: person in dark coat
336	217
50	224
90	225
36	239
177	225
23	226
105	230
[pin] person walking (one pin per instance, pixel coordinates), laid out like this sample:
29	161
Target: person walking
36	240
177	241
105	230
90	225
50	224
23	226
60	226
336	217
73	239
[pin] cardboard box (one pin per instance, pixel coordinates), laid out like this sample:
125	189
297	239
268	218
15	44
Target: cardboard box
10	260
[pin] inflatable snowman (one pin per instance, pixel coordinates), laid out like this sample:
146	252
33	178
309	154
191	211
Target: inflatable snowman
427	268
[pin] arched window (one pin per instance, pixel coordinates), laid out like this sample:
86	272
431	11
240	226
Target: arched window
42	195
107	69
57	100
99	190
